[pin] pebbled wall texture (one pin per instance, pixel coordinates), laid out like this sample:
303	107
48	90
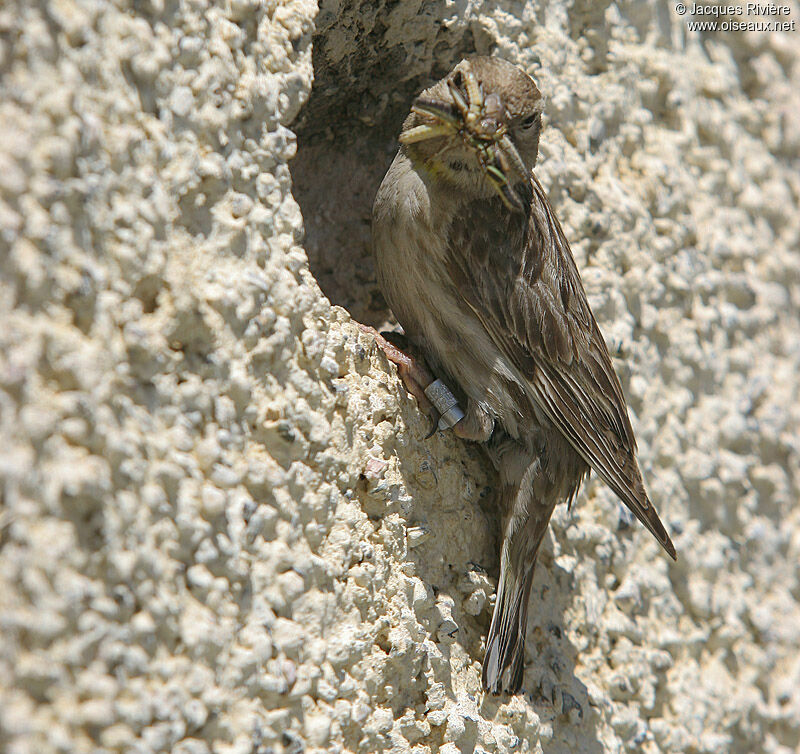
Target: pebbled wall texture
221	527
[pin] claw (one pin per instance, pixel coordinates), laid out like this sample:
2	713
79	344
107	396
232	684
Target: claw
434	428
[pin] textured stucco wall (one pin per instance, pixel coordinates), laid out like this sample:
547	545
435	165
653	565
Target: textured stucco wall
221	529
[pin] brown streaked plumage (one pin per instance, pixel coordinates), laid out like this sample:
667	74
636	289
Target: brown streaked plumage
477	270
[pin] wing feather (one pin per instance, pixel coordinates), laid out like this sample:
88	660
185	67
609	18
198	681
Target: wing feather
535	309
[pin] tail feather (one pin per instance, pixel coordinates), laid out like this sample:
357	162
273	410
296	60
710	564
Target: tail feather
503	665
525	520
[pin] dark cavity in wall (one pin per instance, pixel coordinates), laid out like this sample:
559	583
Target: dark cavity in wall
370	60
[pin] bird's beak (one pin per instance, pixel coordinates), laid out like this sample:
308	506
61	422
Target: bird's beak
506	171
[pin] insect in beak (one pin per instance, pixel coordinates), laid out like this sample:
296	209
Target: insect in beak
446	122
505	171
478	121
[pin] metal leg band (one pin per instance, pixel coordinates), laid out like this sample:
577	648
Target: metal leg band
445	403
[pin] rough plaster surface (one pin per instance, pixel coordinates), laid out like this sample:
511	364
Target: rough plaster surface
221	528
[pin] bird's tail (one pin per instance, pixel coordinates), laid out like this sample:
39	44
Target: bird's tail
524	524
503	664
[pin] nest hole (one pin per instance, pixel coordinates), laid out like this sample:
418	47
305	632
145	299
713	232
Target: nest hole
368	66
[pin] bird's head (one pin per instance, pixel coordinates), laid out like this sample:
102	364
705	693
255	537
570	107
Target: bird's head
478	129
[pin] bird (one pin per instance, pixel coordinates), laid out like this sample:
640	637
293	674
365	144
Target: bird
498	338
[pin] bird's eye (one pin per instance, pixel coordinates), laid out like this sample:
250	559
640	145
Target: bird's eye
528	123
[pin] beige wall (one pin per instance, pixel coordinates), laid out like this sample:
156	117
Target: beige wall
221	529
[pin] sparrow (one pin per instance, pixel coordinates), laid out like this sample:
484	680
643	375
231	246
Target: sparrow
498	336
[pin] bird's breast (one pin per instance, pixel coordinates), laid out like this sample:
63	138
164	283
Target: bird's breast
413	227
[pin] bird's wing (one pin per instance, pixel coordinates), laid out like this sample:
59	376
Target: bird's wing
535	309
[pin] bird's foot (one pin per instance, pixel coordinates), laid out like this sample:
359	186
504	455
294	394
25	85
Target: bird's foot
411	368
435	399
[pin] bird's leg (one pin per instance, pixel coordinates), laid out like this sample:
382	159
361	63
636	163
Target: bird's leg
413	371
477	424
434	398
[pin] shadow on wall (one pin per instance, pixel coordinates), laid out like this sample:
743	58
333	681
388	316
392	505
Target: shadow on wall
369	63
335	183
